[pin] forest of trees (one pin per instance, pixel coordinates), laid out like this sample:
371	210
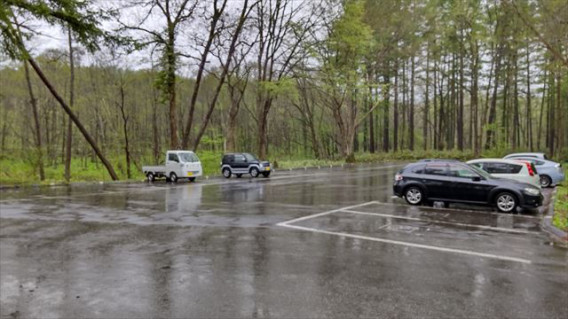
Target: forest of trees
315	79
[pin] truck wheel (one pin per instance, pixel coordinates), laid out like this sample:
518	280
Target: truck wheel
226	172
192	179
254	172
151	177
173	177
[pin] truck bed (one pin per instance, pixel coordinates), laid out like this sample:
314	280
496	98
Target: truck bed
159	169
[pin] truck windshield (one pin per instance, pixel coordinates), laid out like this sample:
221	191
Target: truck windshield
250	157
188	157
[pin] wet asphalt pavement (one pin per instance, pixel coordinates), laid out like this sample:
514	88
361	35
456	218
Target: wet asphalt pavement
321	243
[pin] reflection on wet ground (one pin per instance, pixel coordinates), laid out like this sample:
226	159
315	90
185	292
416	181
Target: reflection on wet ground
214	249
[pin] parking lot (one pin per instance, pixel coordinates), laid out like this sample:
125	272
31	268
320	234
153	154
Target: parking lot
316	243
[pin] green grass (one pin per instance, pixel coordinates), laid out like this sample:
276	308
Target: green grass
15	171
560	218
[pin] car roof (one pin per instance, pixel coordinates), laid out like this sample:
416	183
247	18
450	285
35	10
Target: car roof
426	160
177	151
537	154
495	160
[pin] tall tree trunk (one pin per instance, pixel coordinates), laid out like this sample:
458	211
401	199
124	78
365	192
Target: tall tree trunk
371	118
411	111
125	117
460	113
427	101
73	117
37	130
475	101
395	108
529	111
386	115
542	104
69	138
490	140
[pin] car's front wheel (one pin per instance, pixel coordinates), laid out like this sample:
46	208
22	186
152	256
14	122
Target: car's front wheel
506	202
254	172
545	181
227	173
173	177
414	195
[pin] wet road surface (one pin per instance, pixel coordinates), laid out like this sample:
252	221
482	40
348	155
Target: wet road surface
321	243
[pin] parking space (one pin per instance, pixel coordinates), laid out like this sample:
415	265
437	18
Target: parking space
314	243
448	231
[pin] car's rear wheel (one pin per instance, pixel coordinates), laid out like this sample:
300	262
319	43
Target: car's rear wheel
151	177
254	172
413	195
227	173
506	202
173	177
545	181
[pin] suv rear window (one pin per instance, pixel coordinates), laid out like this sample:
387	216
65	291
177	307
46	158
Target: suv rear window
502	168
435	169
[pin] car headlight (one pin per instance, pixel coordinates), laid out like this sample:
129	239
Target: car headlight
531	191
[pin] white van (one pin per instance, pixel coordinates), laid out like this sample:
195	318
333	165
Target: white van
178	164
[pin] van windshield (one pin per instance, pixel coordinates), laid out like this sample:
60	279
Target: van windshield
188	157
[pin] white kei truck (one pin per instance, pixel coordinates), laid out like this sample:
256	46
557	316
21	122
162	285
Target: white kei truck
179	164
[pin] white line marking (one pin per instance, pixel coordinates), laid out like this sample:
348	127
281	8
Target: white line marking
502	229
460	210
402	243
321	214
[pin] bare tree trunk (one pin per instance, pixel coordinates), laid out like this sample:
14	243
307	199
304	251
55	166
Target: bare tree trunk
218	12
386	115
69	138
122	108
529	111
73	117
411	111
243	16
395	108
37	130
427	101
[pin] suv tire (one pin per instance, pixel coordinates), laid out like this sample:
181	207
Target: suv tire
254	172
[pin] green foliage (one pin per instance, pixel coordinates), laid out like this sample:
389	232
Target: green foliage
560	219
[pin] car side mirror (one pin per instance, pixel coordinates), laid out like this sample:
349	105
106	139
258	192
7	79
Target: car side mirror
476	178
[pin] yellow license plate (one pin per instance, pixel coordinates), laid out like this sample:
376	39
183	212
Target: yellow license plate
267	168
189	173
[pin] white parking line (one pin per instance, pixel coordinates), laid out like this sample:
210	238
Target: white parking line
501	229
408	244
322	214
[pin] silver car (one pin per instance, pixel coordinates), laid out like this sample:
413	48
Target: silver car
550	172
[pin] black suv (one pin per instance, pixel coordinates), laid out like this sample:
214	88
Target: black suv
244	163
457	182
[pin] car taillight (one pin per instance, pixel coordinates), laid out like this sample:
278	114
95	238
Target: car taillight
529	166
398	177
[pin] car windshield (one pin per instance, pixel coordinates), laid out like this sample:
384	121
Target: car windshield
250	157
480	171
188	157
